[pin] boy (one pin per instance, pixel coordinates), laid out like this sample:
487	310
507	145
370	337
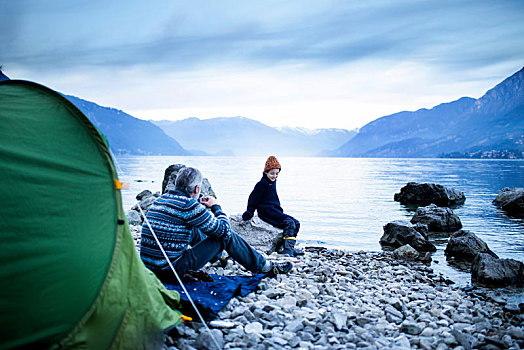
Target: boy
264	199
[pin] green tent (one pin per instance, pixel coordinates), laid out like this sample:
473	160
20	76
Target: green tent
70	275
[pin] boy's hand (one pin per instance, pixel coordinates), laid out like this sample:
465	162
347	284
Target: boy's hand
246	216
208	201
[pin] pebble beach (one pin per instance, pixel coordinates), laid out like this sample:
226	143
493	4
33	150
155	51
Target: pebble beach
333	299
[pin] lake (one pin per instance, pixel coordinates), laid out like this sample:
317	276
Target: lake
344	202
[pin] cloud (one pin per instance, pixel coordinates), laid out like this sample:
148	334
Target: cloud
337	63
452	33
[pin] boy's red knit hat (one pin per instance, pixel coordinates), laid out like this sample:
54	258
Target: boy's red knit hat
272	163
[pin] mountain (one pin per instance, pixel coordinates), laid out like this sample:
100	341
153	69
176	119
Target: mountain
3	76
320	139
126	134
242	136
494	122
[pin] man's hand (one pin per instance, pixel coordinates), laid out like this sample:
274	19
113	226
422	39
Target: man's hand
208	201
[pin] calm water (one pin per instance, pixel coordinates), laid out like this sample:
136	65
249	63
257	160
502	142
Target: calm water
345	202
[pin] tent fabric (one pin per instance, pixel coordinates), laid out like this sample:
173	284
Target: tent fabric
211	297
71	276
132	312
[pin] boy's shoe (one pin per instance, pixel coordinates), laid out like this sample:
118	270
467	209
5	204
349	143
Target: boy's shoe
289	247
222	262
287	252
279	268
292	252
297	252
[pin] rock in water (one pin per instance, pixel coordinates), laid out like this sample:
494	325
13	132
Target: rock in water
426	193
437	219
400	232
511	201
464	246
259	234
489	271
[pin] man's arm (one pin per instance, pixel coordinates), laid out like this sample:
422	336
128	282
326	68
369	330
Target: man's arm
216	224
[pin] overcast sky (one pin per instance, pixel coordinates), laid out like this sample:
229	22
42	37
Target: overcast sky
296	63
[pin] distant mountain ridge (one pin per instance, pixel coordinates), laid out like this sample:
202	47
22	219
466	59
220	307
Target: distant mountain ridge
493	122
126	134
242	136
3	76
467	127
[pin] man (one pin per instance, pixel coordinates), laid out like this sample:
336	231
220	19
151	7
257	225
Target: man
179	221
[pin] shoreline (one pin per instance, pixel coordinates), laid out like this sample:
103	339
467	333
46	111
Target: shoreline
334	299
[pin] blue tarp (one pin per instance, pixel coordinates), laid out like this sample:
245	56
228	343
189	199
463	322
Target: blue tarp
211	297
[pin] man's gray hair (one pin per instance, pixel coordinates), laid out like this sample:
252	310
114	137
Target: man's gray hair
187	179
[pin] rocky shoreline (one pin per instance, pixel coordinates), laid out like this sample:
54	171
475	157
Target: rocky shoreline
341	300
334	299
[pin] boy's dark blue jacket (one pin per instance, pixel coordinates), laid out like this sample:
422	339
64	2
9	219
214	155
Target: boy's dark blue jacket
264	199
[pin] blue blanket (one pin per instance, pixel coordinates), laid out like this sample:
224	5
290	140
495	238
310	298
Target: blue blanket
211	297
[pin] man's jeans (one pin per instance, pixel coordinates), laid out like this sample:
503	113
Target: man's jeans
205	249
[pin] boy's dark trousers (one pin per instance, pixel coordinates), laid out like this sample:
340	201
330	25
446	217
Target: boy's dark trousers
290	225
291	228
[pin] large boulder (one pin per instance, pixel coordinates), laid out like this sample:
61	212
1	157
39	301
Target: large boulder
134	218
488	271
170	175
206	188
437	219
146	199
143	194
259	234
400	232
464	246
168	183
424	194
145	203
511	200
